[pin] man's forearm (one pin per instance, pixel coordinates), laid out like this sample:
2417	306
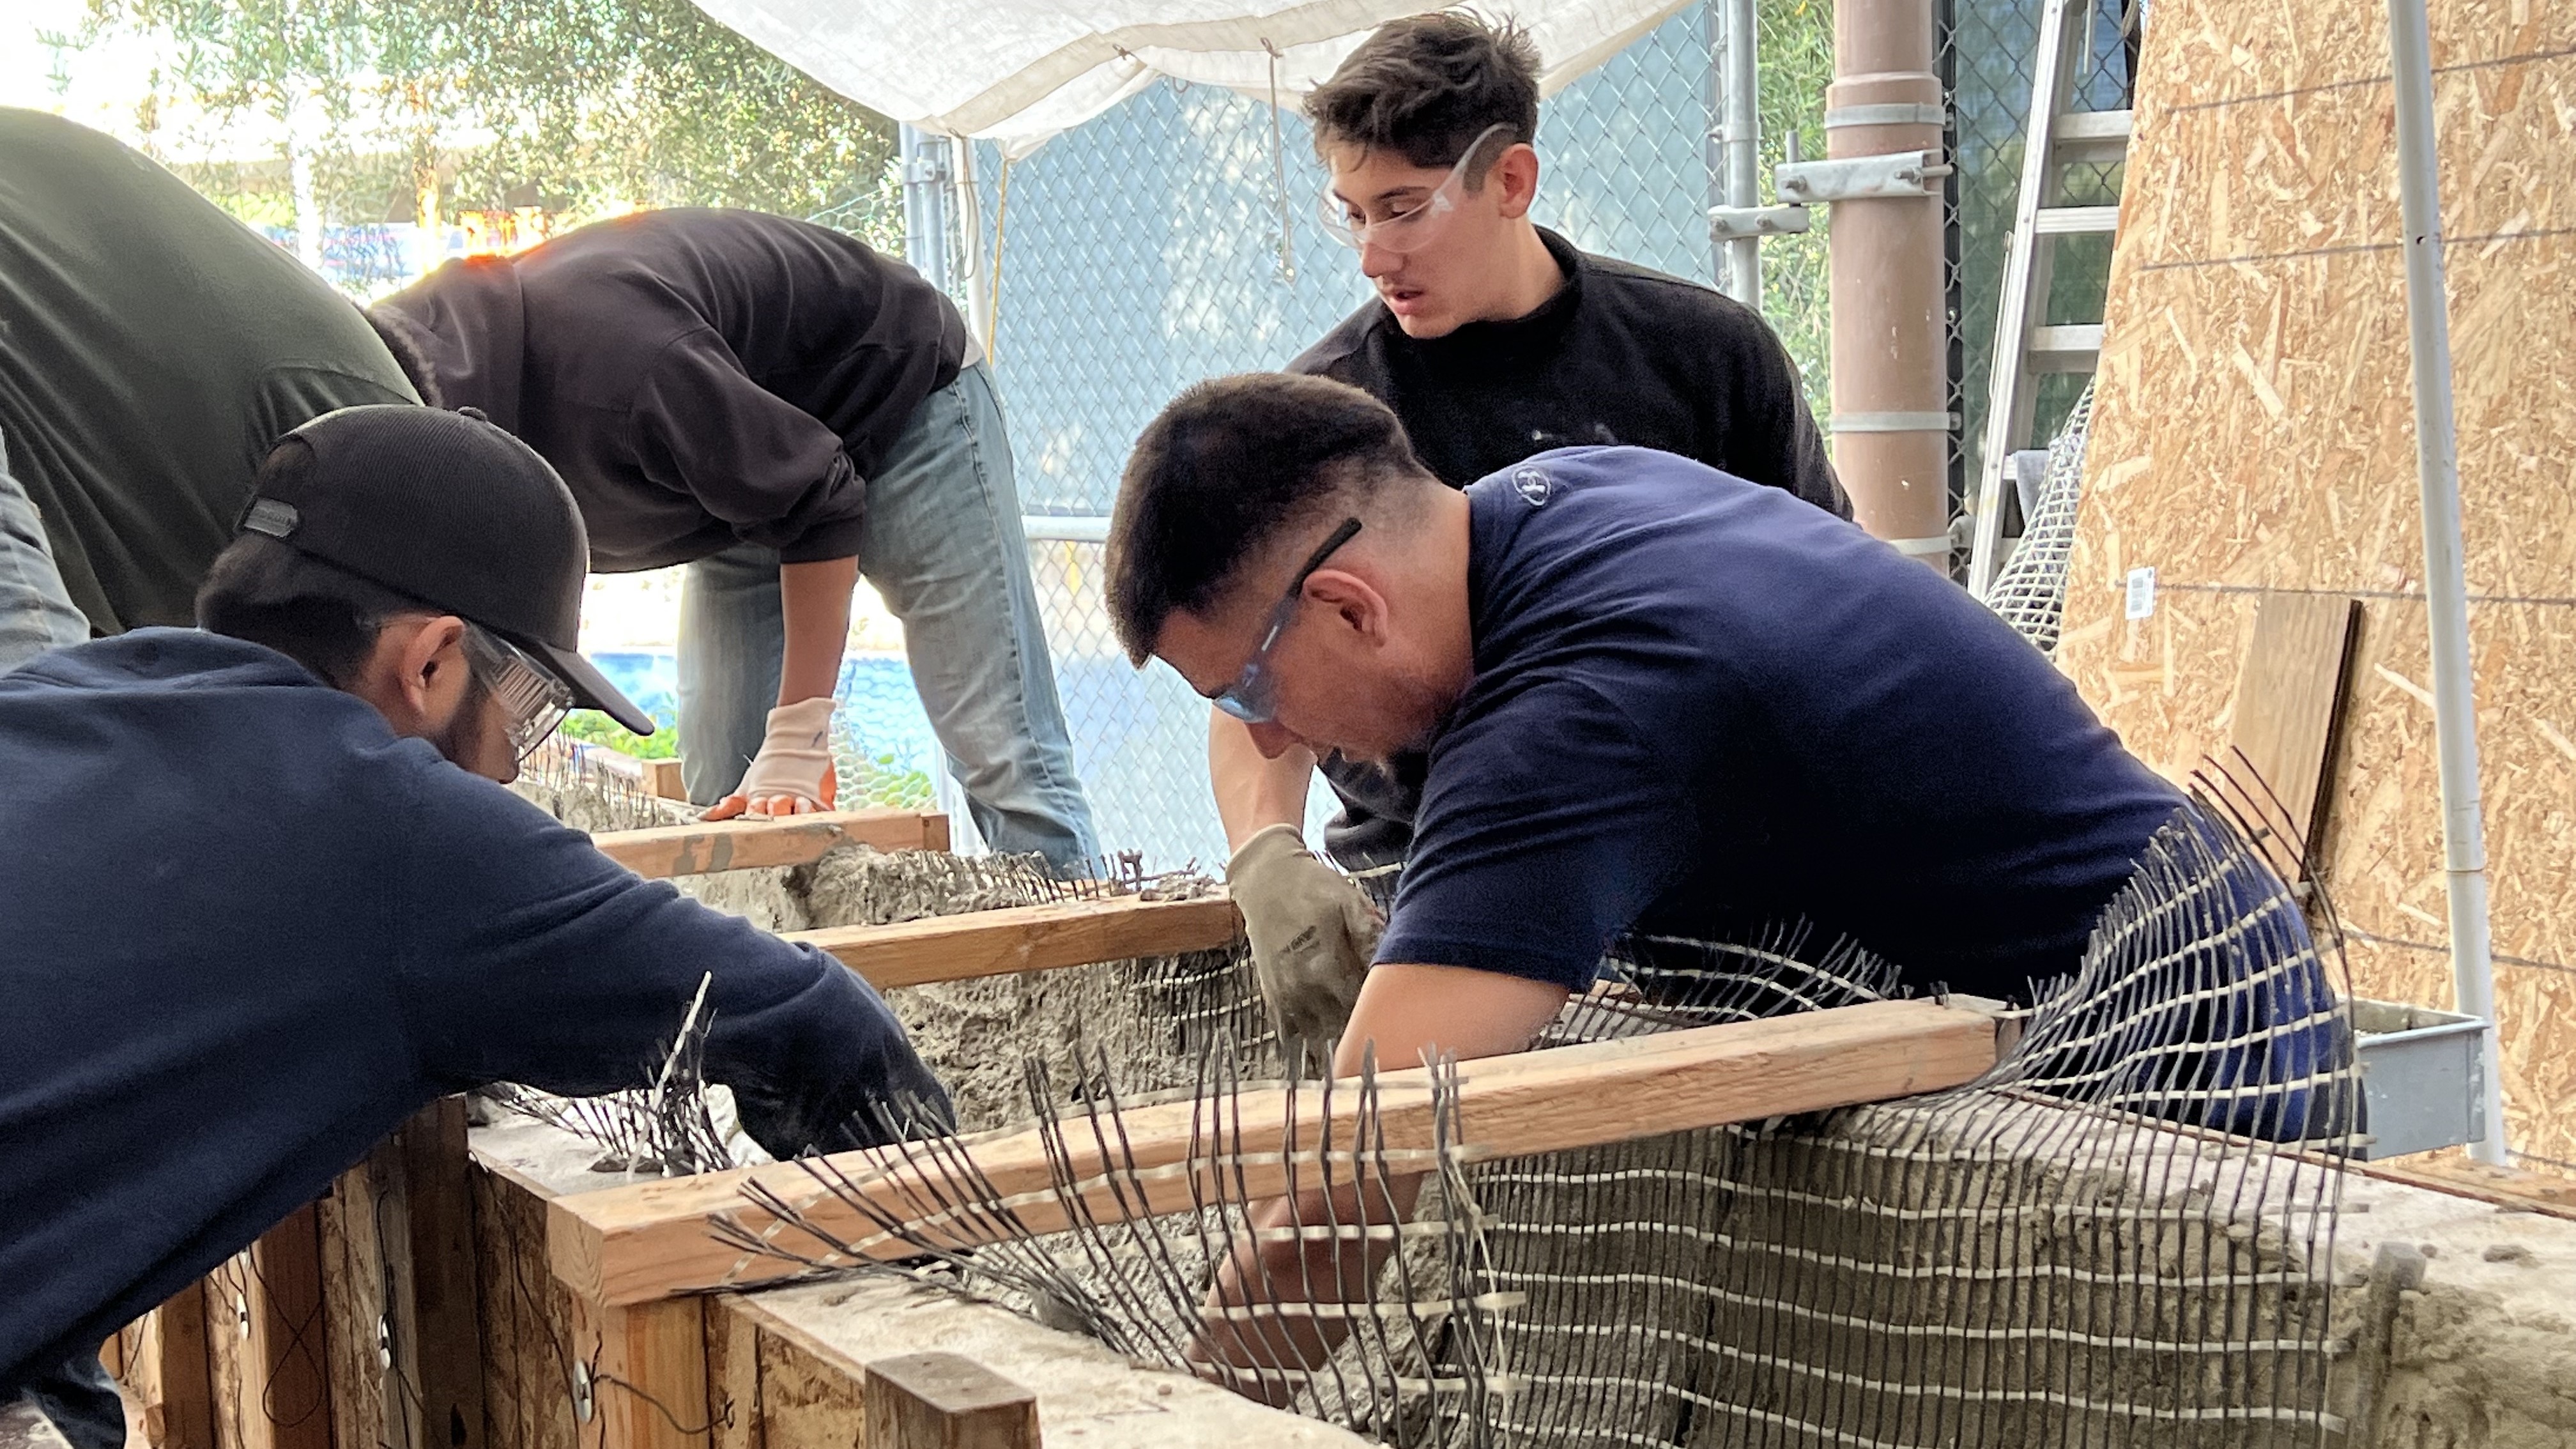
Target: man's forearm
1254	793
814	605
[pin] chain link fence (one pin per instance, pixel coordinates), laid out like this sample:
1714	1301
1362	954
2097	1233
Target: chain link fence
1988	51
1174	239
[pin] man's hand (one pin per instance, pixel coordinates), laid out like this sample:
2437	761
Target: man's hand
1312	933
792	774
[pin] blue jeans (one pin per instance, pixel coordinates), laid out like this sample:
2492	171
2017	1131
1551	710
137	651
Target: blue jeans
943	545
82	1403
36	612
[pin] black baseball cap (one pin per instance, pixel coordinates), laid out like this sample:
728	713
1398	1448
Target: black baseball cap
451	510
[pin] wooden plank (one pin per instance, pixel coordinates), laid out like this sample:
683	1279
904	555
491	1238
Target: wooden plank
2289	711
809	1390
734	1380
359	1268
946	1401
404	1328
271	1389
168	1374
646	1369
745	844
2509	1188
659	778
527	1317
445	1342
639	1243
1027	938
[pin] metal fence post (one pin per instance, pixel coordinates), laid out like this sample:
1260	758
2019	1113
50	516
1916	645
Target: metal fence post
1736	160
925	203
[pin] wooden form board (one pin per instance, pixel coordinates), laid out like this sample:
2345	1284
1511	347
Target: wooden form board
639	1244
2253	431
1027	938
167	1372
946	1401
2289	712
267	1344
401	1307
703	847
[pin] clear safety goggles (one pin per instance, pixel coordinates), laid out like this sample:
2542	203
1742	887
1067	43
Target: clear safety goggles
1407	230
1251	700
533	701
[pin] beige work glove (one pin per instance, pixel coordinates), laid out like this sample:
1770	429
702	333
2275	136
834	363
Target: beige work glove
1312	934
792	774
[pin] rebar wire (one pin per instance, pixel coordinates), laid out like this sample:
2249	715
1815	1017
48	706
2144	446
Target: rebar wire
2069	1249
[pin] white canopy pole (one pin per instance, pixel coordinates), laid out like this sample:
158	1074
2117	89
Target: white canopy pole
2446	590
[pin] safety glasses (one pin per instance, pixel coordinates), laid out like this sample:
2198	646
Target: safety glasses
1251	698
1406	230
533	700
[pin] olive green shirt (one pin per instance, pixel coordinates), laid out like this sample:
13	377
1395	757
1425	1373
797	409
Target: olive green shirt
152	348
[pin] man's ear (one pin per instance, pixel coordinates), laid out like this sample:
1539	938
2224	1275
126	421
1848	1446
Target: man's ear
415	675
1517	174
1355	603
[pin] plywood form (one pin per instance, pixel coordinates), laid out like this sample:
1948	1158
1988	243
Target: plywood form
2254	430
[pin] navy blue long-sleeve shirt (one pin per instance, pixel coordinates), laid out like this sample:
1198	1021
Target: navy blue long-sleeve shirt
245	932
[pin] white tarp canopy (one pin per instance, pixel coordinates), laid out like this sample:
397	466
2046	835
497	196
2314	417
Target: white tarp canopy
1019	71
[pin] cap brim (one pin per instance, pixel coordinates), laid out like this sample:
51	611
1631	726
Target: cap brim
590	688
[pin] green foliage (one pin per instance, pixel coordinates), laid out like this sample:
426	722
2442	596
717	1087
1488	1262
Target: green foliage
1796	50
590	727
867	779
567	104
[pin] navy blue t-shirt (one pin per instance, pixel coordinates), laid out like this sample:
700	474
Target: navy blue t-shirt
1701	705
245	932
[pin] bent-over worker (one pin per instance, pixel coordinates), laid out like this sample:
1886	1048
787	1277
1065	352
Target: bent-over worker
1654	699
778	407
266	896
1491	338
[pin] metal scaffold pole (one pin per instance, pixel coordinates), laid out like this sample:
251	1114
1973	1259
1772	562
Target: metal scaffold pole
1739	142
2446	604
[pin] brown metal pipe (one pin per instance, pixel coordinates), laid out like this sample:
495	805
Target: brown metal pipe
1890	338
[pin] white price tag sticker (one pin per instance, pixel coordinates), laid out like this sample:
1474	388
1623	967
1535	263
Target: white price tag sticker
2142	592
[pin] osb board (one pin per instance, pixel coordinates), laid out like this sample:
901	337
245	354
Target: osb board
2254	429
527	1316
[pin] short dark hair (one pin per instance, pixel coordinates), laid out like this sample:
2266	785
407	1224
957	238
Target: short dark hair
1230	465
1427	86
402	338
320	615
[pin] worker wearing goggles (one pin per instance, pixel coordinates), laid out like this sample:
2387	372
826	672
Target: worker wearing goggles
1492	338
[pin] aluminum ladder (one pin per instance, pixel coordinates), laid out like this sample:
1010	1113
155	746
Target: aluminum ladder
2027	349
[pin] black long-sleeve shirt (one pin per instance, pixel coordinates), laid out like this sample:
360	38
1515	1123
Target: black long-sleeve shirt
1619	355
698	377
248	932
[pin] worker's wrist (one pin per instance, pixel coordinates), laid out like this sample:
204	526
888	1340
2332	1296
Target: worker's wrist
1265	843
